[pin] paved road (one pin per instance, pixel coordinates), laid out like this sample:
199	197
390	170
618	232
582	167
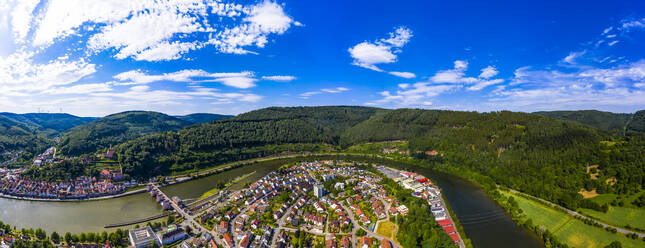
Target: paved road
574	213
373	234
190	219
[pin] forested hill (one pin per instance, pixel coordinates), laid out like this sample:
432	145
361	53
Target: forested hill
116	128
256	133
637	123
267	131
614	122
199	118
48	124
16	137
543	156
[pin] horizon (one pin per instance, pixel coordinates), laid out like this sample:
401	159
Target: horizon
203	56
169	114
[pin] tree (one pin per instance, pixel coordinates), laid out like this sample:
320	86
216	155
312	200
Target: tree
614	244
40	234
68	238
55	237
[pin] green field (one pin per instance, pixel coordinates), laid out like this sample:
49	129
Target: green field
628	214
387	229
620	216
569	230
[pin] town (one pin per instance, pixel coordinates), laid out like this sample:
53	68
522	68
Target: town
311	204
109	182
14	185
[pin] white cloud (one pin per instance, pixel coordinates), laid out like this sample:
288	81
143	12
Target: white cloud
484	83
79	89
19	73
263	19
279	78
488	72
455	75
552	89
306	95
633	24
442	82
237	82
407	75
21	18
180	26
369	54
336	90
399	38
571	58
242	80
416	94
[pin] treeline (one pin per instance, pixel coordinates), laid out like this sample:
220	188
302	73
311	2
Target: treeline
255	134
608	121
115	129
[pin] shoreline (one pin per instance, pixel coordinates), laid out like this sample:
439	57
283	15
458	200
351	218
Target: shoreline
185	178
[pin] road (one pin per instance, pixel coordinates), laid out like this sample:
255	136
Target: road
190	219
373	234
574	213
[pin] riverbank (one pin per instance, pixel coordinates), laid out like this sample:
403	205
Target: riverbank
567	228
23	198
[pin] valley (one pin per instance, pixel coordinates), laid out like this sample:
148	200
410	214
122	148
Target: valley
576	164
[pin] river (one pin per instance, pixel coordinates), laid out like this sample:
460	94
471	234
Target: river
485	223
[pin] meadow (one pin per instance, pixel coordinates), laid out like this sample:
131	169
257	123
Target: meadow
570	230
627	214
387	229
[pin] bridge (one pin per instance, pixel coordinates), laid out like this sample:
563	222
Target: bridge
189	220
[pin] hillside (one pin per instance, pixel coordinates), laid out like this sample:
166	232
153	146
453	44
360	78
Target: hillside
199	118
48	124
116	128
543	156
16	137
637	123
608	121
256	133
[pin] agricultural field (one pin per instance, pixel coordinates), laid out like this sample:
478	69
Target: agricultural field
569	230
628	214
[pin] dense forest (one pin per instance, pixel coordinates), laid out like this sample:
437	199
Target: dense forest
17	139
115	129
199	118
48	124
539	155
533	153
607	121
254	134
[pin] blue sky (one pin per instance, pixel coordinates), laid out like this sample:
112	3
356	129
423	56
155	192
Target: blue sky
93	58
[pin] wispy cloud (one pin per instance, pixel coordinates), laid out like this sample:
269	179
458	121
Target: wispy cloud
279	78
336	90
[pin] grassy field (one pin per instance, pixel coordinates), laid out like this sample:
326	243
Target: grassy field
215	190
568	229
620	216
387	229
628	214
